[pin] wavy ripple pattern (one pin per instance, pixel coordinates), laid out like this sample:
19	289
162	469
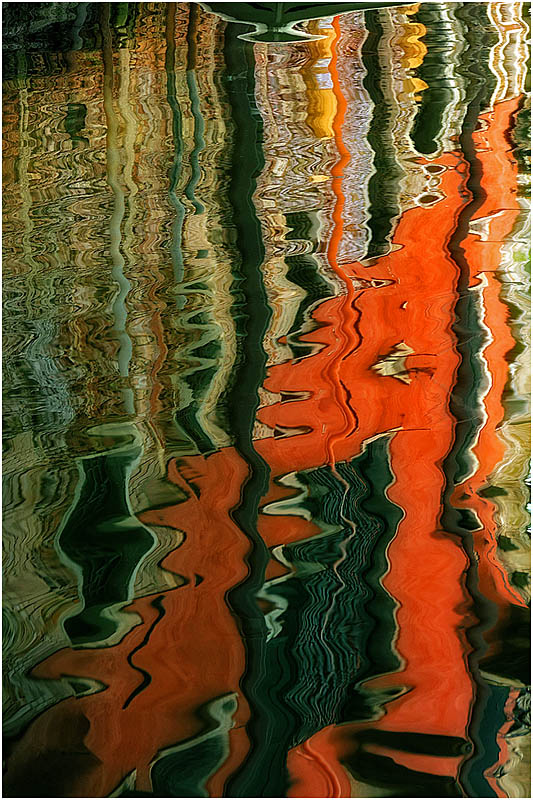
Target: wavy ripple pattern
266	363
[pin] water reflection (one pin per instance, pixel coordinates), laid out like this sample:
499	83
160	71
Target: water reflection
266	362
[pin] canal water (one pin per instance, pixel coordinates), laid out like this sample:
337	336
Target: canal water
266	354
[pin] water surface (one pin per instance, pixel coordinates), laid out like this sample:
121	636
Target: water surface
266	400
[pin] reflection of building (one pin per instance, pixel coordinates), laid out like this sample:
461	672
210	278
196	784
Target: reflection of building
366	587
292	192
127	316
55	267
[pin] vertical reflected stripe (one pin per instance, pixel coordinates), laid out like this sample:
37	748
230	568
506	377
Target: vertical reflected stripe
198	135
177	134
255	315
347	329
115	222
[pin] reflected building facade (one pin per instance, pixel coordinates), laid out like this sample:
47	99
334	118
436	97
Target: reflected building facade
266	373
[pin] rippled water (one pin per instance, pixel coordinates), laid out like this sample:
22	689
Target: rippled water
266	355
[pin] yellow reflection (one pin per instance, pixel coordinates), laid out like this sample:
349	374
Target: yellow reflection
322	104
414	52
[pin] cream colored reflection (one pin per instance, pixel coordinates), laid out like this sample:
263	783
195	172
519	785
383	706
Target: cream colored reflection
508	61
58	261
208	259
516	778
298	152
509	56
356	125
513	518
53	262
